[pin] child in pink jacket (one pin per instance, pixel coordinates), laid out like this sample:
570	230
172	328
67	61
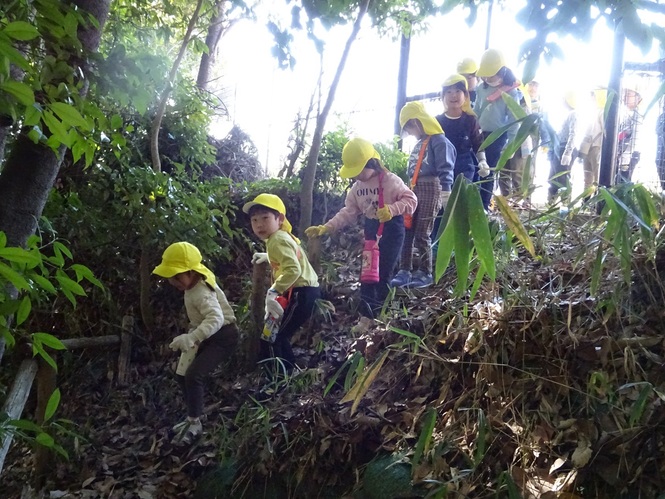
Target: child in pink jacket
362	163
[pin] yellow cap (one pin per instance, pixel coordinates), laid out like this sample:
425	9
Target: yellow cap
182	257
459	80
355	155
416	111
274	203
600	94
467	66
571	98
491	62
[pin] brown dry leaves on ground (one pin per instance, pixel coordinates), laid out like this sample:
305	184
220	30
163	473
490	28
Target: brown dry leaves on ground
532	389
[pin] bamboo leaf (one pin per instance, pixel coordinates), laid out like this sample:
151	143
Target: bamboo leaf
52	404
23	310
638	408
425	437
446	229
515	225
480	231
363	383
49	340
14	277
463	246
597	270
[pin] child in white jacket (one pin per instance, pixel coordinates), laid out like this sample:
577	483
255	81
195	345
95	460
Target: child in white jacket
212	336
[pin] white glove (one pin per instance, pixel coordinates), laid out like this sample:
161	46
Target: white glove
272	305
483	168
260	258
183	342
566	158
445	196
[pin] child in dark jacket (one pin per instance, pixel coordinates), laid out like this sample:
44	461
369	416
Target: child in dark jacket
431	167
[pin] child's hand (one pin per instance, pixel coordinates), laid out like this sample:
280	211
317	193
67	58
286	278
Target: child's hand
182	342
384	214
260	257
483	168
272	305
316	231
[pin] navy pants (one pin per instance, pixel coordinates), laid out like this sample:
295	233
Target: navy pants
492	155
373	296
300	308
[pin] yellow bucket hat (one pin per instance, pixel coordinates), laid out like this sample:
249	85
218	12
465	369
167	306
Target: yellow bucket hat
467	66
182	257
416	111
355	155
459	80
491	62
274	203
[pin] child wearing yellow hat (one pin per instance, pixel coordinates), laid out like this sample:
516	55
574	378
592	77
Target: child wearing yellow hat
212	336
431	167
373	181
461	127
294	277
493	114
563	156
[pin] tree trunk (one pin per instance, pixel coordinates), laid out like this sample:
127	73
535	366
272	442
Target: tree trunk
402	76
309	175
212	39
161	108
31	169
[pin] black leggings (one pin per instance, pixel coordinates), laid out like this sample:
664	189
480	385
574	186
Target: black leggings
212	352
299	309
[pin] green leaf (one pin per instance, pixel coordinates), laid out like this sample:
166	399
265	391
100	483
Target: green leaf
408	334
22	92
49	340
57	129
19	255
43	283
446	238
425	437
24	424
597	270
116	121
83	272
20	30
52	404
45	439
23	310
480	231
38	349
69	284
69	115
14	277
463	246
61	248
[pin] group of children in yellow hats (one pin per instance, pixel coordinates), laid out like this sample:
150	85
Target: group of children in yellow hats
378	194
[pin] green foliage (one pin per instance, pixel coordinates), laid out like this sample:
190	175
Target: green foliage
327	180
464	231
39	274
394	159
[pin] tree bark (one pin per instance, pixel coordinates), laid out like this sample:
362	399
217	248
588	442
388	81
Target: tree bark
309	175
212	40
161	107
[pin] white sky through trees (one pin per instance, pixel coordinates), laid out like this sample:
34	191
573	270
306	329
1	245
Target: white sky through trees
264	100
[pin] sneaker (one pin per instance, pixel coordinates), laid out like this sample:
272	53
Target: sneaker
401	279
420	280
187	431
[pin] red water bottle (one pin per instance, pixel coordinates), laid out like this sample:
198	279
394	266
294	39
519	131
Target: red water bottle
369	271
